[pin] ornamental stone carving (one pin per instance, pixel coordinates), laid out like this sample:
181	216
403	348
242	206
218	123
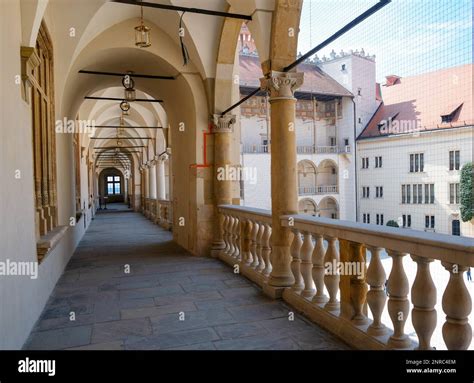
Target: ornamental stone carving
282	85
225	123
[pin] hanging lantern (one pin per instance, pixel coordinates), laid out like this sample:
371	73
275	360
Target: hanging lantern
142	33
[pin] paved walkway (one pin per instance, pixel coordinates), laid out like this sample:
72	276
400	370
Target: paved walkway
128	286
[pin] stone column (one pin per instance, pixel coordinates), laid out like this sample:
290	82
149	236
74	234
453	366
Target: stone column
223	129
160	180
150	173
283	169
153	180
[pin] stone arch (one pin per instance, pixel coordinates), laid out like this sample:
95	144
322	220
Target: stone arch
307	206
327	174
329	208
185	101
307	177
285	32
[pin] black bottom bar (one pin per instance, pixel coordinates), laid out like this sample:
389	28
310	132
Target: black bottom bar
331	366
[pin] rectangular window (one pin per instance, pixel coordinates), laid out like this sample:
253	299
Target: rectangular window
429	221
378	161
365	192
454	160
417	162
404	195
408	194
454	193
365	162
406	220
368	218
381	219
420	193
427	193
377	219
379	191
432	195
364	218
415	194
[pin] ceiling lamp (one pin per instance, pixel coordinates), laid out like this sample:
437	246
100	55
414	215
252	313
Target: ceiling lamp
129	85
142	33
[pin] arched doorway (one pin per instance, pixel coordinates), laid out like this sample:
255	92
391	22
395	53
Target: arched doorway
306	178
112	185
329	208
307	206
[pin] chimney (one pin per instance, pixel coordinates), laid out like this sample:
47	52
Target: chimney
392	80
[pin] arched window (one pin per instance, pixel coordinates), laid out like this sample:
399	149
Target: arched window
44	144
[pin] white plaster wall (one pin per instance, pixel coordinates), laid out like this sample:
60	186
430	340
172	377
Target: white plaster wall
258	194
21	298
395	172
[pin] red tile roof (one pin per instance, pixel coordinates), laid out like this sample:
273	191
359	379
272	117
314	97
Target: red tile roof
316	81
420	101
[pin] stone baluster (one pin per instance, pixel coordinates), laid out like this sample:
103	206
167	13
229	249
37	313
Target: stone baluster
245	232
376	297
238	237
295	250
398	304
423	297
230	235
318	269
235	237
267	250
358	285
254	244
260	245
307	266
331	275
225	233
457	305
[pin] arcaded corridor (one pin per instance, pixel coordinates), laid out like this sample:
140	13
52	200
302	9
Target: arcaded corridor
168	300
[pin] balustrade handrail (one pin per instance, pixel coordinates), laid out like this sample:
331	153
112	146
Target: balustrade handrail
261	215
443	247
339	269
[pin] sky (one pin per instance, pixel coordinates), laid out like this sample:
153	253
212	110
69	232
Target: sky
408	37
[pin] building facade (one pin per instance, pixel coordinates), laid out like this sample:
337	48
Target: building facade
411	153
336	101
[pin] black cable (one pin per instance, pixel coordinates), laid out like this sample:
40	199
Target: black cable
184	50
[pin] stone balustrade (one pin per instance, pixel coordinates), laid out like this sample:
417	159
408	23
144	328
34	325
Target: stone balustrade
301	149
336	288
318	190
160	212
246	235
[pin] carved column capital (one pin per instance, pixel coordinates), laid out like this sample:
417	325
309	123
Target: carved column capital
282	85
225	123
